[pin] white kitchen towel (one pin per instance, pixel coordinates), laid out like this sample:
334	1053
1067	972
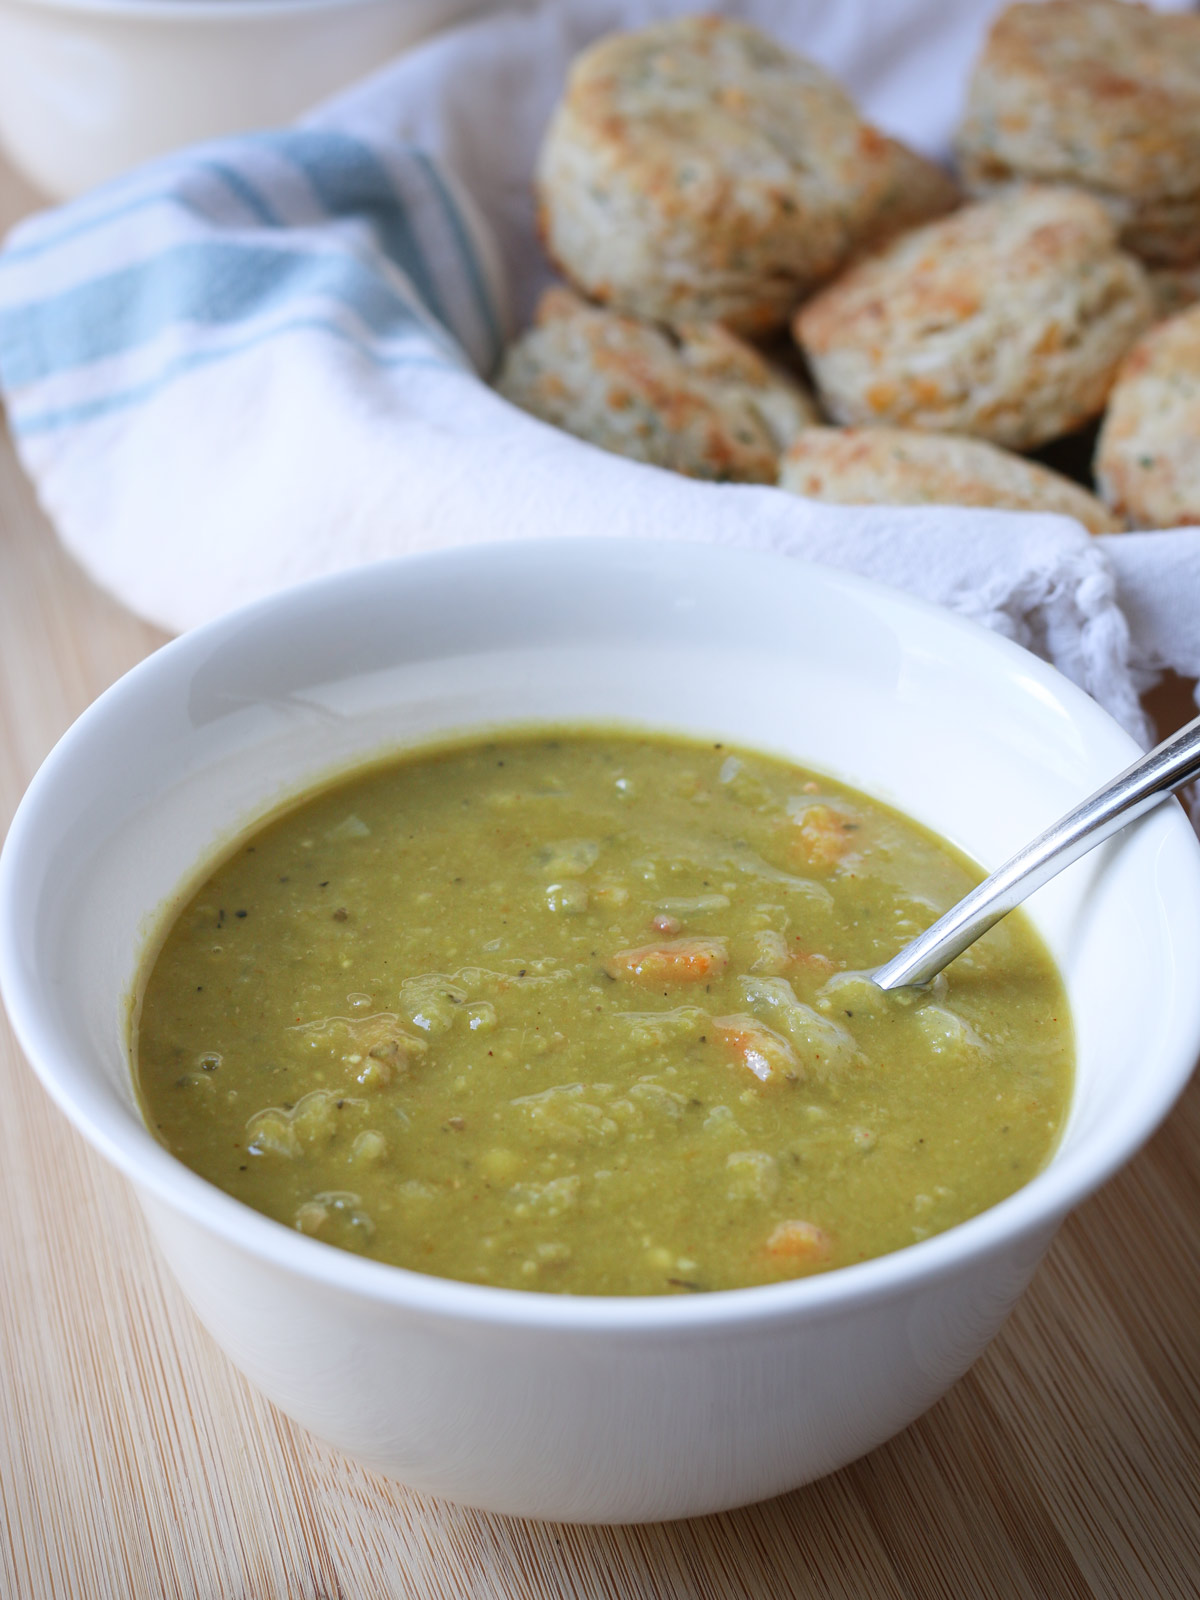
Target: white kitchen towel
264	359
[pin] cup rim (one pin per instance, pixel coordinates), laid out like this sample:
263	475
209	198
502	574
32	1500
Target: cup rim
1033	1211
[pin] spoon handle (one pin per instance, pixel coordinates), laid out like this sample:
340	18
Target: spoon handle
1137	790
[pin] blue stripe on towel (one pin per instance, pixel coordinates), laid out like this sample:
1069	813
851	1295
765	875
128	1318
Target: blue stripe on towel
241	263
251	198
349	180
344	176
175	175
204	283
89	410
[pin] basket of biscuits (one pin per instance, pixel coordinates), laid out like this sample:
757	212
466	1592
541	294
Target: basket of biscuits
759	286
910	290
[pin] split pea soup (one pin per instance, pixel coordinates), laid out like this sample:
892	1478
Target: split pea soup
582	1012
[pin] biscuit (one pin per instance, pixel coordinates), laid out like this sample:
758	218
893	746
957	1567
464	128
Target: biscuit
1006	319
695	399
1148	453
902	467
697	171
1104	94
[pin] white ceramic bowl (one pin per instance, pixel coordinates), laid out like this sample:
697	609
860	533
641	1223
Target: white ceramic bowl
587	1408
89	88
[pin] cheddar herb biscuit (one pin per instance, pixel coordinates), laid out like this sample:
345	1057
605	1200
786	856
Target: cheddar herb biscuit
1148	453
1006	319
903	467
698	171
1100	93
695	399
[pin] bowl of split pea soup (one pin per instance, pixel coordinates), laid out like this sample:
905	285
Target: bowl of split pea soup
467	960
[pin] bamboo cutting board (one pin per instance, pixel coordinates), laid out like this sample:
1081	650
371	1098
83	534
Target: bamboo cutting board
136	1464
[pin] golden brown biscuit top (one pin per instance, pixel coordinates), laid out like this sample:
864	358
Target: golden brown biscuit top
693	398
1170	351
704	350
1147	460
703	104
902	466
944	273
1111	86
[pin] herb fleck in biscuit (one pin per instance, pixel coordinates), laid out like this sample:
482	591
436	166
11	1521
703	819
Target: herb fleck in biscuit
1148	454
1100	93
902	467
696	399
1006	319
697	171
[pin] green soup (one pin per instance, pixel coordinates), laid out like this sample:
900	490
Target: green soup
579	1012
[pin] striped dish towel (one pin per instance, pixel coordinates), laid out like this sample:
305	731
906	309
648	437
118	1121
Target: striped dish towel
262	359
203	258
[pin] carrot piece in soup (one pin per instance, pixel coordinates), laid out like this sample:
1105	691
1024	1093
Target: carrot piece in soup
820	837
672	961
800	1242
765	1053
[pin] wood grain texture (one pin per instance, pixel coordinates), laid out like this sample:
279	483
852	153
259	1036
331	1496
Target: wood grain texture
135	1463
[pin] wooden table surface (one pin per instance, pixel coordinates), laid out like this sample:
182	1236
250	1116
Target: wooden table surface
135	1462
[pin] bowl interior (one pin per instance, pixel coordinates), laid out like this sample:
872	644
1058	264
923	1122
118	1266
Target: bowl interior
959	729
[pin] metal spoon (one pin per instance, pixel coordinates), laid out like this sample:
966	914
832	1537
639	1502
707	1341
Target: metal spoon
1137	790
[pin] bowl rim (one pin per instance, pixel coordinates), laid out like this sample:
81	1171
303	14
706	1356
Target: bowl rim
202	11
1032	1212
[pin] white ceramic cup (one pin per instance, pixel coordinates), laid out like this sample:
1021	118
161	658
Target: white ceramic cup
545	1405
90	88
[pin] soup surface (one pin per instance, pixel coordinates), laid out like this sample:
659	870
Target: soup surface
579	1012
